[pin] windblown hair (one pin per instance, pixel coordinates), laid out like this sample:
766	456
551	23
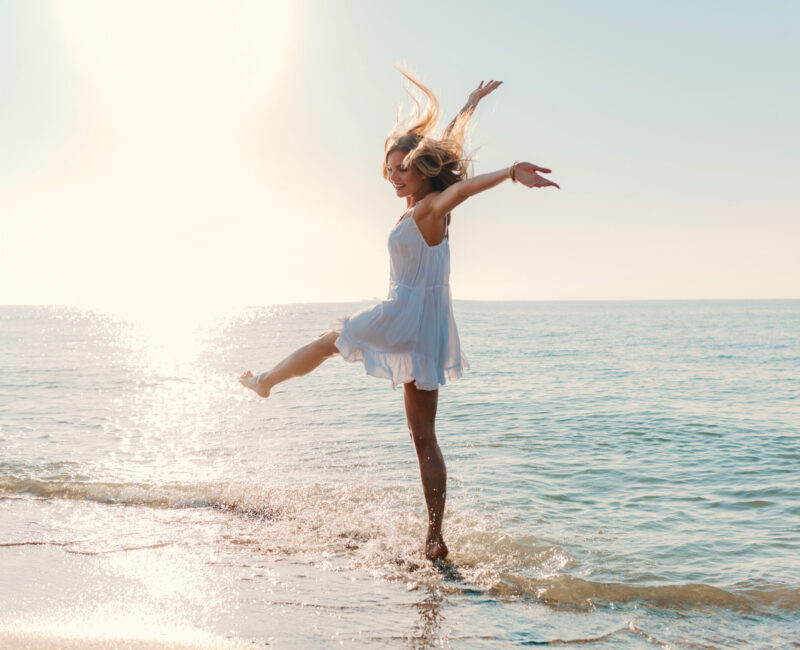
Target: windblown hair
441	159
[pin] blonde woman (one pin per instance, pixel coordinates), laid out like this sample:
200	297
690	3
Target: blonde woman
411	337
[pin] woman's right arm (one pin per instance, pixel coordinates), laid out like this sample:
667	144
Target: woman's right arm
526	173
472	102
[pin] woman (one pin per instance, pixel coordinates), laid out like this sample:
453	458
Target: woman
411	338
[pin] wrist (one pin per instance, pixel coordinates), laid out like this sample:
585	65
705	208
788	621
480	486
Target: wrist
512	172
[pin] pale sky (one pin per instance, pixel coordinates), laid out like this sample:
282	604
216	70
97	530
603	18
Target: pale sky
217	153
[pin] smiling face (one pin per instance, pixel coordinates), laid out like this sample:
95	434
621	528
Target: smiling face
406	181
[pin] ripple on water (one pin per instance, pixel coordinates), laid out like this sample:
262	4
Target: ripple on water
597	453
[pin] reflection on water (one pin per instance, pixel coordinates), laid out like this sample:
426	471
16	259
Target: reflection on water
430	629
619	475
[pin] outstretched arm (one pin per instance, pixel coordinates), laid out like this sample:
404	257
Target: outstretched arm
472	102
524	172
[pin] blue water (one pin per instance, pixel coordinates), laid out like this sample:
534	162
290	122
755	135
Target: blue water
620	474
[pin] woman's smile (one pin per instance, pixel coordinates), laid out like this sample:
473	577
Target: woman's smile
404	180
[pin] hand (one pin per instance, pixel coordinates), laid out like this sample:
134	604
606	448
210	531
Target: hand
481	91
525	173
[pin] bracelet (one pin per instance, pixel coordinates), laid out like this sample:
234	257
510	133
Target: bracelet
514	172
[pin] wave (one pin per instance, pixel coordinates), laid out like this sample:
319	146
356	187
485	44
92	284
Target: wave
378	529
572	591
175	495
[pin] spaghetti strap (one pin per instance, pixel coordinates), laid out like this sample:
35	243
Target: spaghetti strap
412	335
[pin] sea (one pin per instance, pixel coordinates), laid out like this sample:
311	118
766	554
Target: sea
620	475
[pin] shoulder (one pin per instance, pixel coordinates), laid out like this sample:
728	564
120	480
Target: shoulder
425	209
431	221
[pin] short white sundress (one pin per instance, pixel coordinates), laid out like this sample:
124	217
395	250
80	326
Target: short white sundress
412	335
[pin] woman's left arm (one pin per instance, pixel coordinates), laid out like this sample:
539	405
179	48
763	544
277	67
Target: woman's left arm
472	102
524	172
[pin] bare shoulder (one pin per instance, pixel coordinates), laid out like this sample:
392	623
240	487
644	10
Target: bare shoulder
425	210
430	220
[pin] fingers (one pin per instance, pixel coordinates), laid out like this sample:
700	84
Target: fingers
489	87
535	168
525	173
534	180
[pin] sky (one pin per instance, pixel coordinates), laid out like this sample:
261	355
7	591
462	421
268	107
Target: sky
214	154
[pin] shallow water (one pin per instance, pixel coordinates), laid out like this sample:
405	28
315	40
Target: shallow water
621	474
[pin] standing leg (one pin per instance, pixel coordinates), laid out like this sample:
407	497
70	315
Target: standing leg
421	415
300	362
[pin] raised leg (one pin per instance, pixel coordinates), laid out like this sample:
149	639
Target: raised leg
300	362
421	416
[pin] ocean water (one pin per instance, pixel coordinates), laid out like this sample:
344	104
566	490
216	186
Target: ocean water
620	475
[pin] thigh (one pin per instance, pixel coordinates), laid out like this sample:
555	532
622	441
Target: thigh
326	341
420	410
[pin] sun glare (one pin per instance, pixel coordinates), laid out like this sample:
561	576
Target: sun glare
176	73
161	202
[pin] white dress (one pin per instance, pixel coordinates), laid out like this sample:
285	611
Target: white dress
412	335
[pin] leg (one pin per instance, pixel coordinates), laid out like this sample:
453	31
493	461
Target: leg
299	363
421	415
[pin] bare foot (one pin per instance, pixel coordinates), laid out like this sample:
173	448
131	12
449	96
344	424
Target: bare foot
257	384
435	548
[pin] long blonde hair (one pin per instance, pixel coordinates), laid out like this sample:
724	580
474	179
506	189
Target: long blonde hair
441	159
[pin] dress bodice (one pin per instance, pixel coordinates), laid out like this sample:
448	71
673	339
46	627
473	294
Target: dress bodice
412	262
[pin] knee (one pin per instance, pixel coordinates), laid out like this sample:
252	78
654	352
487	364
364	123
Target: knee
421	434
325	343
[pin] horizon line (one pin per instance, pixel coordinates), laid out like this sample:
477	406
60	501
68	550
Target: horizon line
455	300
